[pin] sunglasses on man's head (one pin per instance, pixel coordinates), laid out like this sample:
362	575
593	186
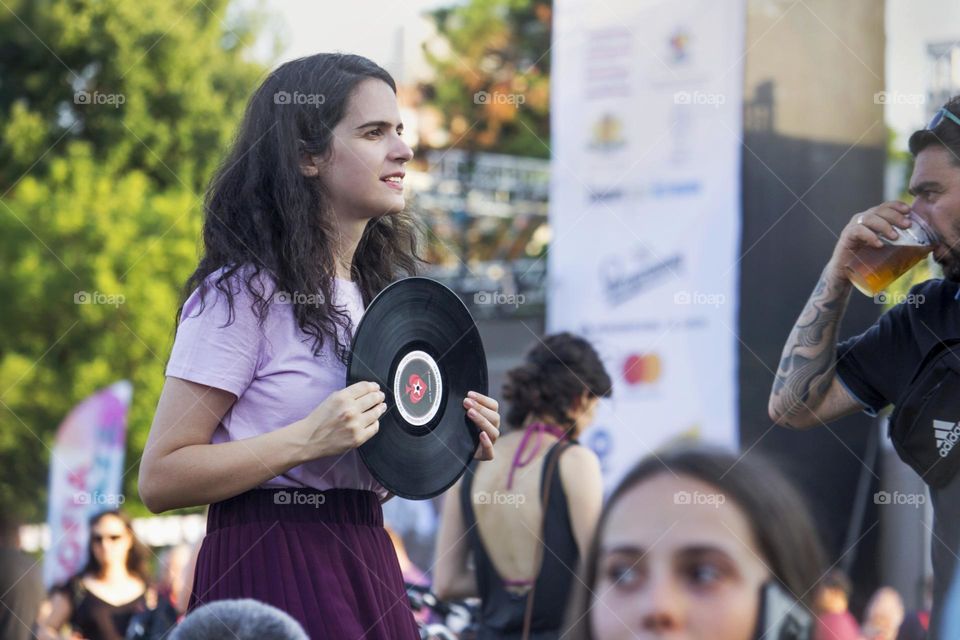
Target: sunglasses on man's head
938	117
98	539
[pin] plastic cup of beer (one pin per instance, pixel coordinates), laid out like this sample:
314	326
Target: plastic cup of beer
873	269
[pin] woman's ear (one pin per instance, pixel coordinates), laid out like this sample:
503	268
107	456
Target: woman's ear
308	166
309	163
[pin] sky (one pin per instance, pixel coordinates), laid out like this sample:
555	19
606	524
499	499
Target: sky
911	25
389	32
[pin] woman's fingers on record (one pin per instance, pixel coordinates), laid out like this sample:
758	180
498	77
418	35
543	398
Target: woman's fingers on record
485	450
474	410
370	400
362	388
485	401
488	434
372	407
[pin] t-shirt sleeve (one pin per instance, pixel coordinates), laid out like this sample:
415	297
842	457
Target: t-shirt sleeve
214	347
864	361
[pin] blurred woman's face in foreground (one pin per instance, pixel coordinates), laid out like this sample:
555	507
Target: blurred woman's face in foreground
677	559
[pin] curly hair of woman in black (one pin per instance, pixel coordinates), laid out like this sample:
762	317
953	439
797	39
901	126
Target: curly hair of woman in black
552	380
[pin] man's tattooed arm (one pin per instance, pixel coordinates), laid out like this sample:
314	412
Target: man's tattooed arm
806	372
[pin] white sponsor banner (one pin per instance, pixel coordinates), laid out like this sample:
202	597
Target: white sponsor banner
645	213
86	471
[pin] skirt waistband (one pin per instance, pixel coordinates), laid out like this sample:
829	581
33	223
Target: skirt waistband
334	506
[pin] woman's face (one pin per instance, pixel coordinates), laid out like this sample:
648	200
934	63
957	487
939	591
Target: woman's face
677	560
110	541
364	171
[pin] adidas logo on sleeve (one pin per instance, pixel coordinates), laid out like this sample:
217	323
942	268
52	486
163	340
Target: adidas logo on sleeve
947	434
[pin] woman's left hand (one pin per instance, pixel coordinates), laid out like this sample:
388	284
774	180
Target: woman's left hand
483	410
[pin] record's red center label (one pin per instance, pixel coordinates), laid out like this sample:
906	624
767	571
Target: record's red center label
418	388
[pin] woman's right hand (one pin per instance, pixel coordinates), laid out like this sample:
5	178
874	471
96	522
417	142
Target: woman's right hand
344	420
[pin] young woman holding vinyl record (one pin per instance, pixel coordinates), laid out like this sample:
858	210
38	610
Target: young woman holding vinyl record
303	226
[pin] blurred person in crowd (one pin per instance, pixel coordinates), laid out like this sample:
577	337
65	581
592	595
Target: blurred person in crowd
113	586
819	380
184	586
917	623
834	620
701	544
497	512
883	615
21	585
158	620
172	572
304	225
411	573
244	619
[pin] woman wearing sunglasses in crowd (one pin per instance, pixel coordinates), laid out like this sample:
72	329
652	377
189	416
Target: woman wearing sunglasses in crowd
101	599
304	224
700	544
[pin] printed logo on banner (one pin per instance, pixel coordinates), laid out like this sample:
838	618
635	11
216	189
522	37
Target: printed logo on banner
680	59
600	440
650	191
679	45
625	278
641	368
607	134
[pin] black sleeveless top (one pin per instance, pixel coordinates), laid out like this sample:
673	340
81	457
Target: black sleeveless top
97	619
502	612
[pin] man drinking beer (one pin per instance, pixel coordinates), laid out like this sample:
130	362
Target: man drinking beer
908	358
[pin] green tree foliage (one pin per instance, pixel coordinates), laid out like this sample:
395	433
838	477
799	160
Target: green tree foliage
492	67
113	116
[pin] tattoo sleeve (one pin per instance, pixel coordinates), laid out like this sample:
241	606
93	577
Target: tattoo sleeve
808	360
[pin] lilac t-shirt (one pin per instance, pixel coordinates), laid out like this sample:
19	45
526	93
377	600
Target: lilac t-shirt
271	370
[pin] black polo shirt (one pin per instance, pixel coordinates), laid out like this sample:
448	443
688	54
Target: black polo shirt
877	365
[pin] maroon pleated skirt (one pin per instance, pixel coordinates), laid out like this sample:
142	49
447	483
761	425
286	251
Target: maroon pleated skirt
321	556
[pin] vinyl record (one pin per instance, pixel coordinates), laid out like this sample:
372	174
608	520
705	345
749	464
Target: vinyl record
419	343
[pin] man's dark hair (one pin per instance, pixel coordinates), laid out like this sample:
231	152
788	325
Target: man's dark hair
946	134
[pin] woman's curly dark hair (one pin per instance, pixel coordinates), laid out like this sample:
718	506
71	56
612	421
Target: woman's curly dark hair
554	375
260	211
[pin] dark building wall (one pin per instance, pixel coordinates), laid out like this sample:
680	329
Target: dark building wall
813	156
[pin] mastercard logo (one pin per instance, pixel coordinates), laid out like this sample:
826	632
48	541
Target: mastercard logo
642	368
